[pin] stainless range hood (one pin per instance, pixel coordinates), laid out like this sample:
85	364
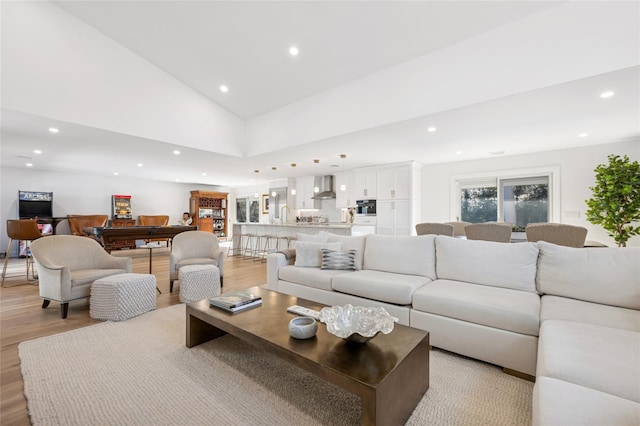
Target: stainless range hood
325	184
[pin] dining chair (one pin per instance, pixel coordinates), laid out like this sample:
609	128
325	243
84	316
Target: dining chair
557	233
21	230
434	229
499	232
458	228
154	220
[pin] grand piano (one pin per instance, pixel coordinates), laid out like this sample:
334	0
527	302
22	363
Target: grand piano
108	235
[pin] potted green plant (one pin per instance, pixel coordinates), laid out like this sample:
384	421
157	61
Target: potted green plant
616	198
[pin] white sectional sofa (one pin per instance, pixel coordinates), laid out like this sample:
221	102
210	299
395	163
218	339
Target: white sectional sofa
569	316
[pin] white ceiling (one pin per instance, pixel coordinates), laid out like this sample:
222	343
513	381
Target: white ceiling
244	45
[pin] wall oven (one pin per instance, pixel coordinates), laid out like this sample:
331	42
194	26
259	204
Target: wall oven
366	207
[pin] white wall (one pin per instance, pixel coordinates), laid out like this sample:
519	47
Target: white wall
91	194
576	176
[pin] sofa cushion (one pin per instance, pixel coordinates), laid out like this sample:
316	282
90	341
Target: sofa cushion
310	277
511	310
602	358
383	286
333	259
507	265
309	255
556	402
409	255
347	242
609	276
88	276
562	308
196	261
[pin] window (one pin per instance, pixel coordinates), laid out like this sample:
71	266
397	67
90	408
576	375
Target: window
518	200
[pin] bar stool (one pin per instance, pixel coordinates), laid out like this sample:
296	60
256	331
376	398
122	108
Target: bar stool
21	230
266	245
232	248
251	245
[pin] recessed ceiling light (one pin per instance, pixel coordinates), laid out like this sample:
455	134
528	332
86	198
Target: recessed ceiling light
29	165
53	130
458	152
204	174
607	94
37	151
293	51
176	152
116	173
177	180
224	89
583	135
140	164
431	129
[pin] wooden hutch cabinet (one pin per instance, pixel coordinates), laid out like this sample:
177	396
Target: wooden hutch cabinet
209	212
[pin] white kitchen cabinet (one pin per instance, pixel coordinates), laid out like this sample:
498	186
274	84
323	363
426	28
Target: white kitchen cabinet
394	217
395	183
344	198
365	184
304	192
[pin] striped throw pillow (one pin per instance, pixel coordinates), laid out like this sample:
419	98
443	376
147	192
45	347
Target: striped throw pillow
343	260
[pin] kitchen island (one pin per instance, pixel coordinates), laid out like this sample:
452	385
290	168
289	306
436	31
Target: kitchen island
280	235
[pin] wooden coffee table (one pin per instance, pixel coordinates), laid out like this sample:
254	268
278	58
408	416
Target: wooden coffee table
390	373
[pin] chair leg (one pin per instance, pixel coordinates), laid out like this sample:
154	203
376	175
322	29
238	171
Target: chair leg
45	303
170	286
64	309
6	260
221	278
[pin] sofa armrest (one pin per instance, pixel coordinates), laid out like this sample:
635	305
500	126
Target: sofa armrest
54	282
220	259
275	261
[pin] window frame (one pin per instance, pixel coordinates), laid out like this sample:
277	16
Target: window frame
459	181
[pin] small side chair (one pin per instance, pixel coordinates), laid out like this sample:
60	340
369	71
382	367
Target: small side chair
434	229
557	233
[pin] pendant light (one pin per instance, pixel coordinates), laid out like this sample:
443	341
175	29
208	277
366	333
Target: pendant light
293	190
274	193
343	187
315	188
256	181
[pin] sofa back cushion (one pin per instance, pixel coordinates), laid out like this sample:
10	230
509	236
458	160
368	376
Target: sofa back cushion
506	265
411	255
348	242
610	276
309	253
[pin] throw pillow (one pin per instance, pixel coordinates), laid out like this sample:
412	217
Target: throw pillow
343	260
349	242
308	254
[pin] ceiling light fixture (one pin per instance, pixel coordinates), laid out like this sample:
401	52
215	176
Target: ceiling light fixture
37	151
431	129
29	165
274	193
204	174
53	130
116	173
458	152
293	51
176	152
607	94
583	135
140	164
224	89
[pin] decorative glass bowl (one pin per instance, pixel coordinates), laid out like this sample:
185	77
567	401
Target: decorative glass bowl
357	323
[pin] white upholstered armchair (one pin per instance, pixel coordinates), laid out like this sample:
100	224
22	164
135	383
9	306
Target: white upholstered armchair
194	248
68	265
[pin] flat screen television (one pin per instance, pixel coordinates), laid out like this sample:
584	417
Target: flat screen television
31	204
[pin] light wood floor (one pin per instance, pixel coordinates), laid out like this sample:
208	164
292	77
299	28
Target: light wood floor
22	318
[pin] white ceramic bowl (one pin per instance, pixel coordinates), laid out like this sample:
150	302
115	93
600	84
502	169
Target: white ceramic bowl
303	328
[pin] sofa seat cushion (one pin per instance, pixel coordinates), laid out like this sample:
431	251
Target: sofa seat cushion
311	277
602	358
609	275
383	286
562	308
88	276
196	261
489	263
408	255
510	310
556	402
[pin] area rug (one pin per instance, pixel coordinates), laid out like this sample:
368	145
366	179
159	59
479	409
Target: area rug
139	372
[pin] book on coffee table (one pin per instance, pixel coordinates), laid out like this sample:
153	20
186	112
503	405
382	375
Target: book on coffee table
236	301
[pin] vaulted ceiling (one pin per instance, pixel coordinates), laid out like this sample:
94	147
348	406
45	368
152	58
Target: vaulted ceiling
130	82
